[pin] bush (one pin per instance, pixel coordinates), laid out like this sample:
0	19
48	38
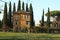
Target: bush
24	29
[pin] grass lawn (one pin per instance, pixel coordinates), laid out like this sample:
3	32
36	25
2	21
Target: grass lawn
10	35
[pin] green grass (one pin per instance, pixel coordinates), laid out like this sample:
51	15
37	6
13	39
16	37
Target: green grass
13	35
3	34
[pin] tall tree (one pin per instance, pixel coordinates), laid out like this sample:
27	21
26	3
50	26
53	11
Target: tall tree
14	8
19	6
0	24
23	6
48	18
43	18
26	6
10	14
5	14
5	17
54	13
32	18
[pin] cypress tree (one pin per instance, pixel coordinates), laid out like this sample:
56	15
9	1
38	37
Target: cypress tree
10	14
26	6
23	6
0	24
48	18
19	6
31	9
43	18
5	14
14	8
5	17
32	18
48	21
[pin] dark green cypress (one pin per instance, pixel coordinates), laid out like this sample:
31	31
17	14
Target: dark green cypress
19	6
48	18
5	14
5	17
0	24
26	6
10	14
23	6
48	21
43	18
14	8
32	17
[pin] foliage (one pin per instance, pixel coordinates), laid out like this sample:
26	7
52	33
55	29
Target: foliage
24	29
9	15
54	13
14	8
31	8
5	14
26	6
19	6
0	24
32	17
0	11
23	6
43	18
48	18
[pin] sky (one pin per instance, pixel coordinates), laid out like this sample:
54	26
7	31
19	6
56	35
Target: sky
38	6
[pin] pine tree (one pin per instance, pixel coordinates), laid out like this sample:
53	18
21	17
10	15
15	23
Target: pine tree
23	6
14	8
32	18
19	6
26	6
10	14
43	18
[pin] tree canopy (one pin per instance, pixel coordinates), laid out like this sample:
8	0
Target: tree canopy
54	13
5	13
14	8
26	6
42	18
48	18
23	6
32	16
19	6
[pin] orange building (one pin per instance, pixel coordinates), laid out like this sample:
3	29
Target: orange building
21	19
